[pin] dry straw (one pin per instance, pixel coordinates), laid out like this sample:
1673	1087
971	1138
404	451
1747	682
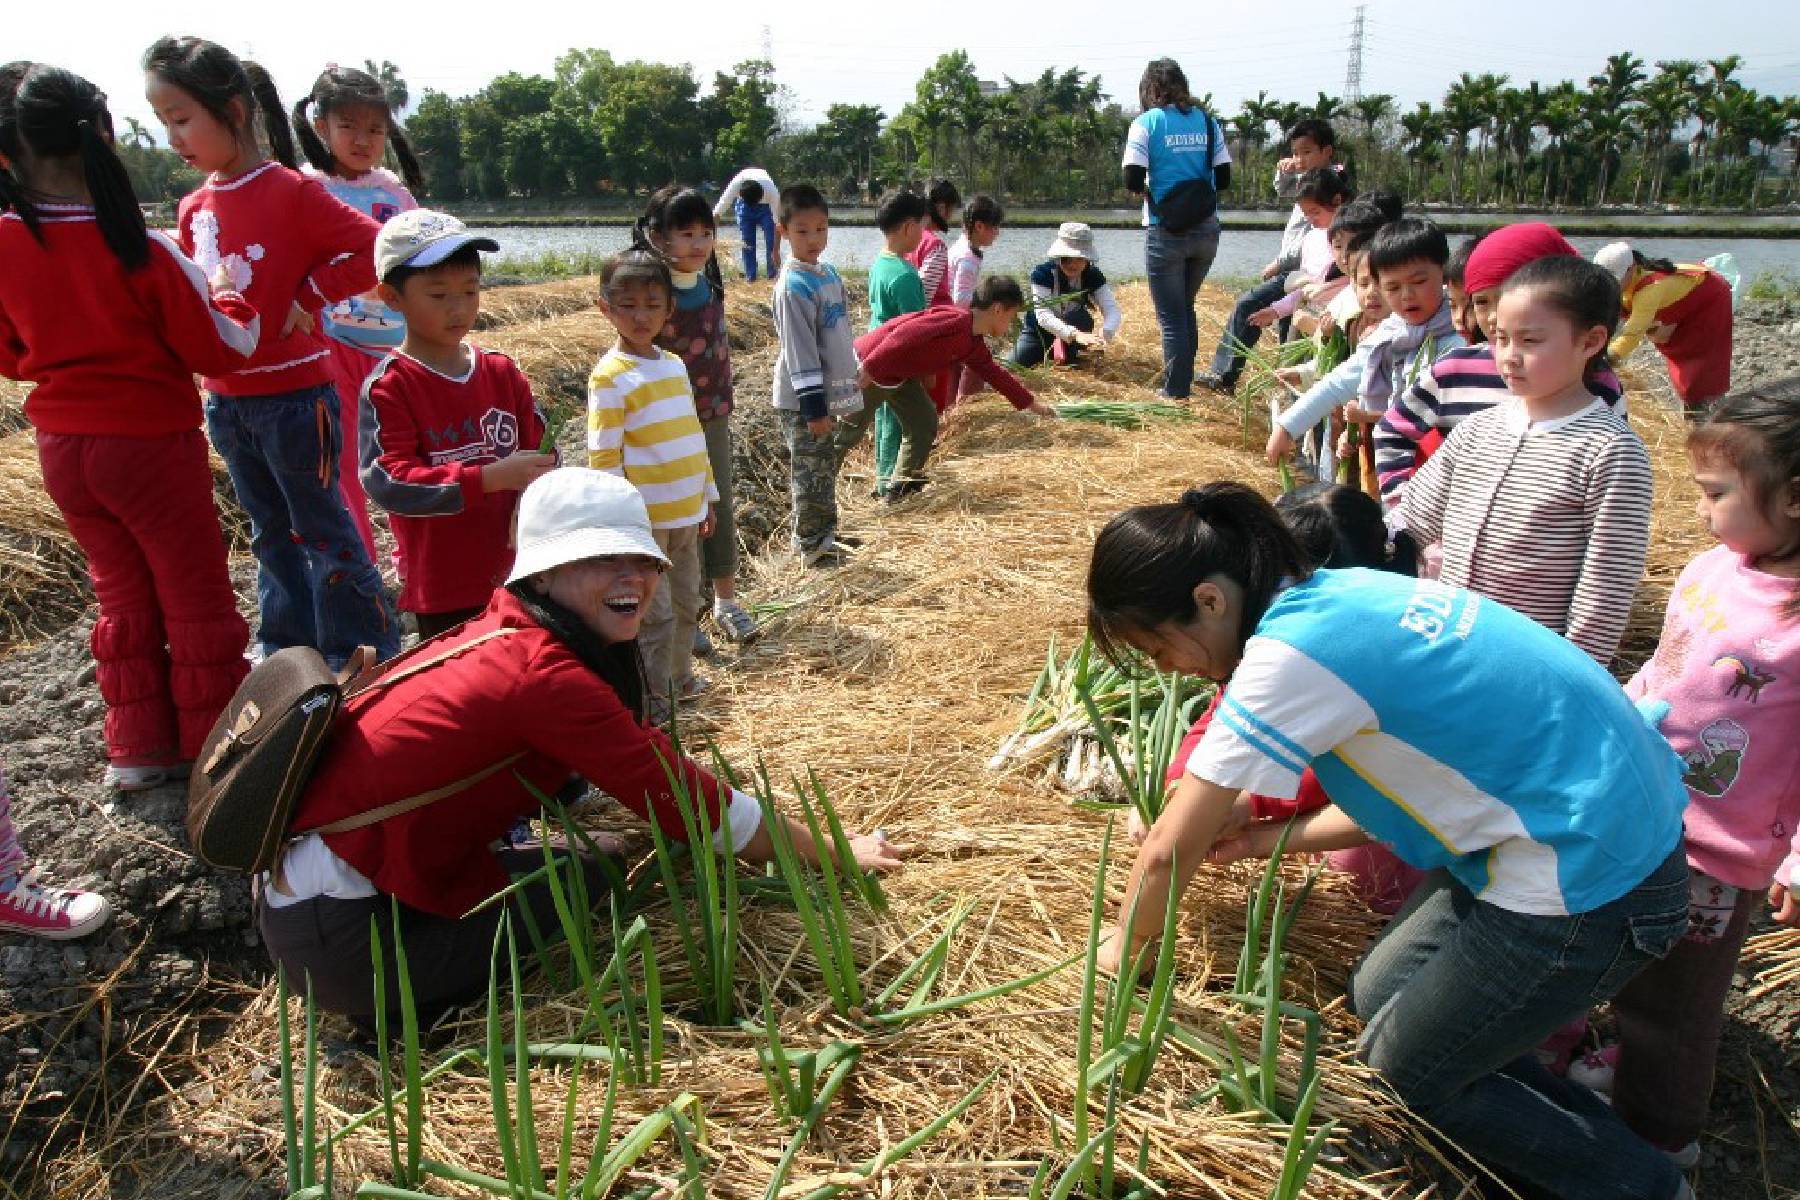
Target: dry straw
894	678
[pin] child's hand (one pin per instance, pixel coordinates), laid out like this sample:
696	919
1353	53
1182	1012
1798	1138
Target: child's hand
1135	827
1327	323
821	426
707	525
221	281
1041	409
863	382
515	472
1271	271
1083	338
1289	376
1262	318
1281	444
297	318
1229	849
1785	904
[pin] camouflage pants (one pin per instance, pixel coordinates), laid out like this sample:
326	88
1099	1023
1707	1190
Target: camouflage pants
812	482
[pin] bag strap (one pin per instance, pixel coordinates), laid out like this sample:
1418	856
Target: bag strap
376	815
357	679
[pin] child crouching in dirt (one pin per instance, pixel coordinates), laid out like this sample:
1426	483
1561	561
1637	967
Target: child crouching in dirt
111	322
1725	666
918	345
28	904
1337	527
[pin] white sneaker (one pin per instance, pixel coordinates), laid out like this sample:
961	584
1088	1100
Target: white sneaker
1595	1070
735	620
142	779
1686	1158
51	912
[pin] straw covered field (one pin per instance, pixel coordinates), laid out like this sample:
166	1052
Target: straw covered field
893	679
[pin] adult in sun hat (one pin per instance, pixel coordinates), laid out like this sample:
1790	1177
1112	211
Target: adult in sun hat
544	685
1685	311
1067	288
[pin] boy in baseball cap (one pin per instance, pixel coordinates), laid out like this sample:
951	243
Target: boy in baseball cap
449	432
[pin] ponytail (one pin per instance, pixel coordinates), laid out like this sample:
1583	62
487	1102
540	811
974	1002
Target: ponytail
274	116
1148	561
315	150
411	173
57	114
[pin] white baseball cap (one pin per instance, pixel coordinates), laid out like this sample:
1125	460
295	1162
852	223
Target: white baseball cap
1617	258
422	237
573	513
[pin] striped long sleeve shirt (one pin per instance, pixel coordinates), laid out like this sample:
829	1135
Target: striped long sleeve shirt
1551	519
642	425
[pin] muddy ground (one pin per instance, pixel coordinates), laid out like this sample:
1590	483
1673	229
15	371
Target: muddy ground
92	1030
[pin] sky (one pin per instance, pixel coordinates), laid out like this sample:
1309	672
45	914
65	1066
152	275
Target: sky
831	53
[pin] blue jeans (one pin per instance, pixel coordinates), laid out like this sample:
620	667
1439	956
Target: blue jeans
1177	264
315	585
1228	361
1035	343
763	218
1456	994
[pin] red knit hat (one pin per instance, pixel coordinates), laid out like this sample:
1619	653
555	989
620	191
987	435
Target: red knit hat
1507	249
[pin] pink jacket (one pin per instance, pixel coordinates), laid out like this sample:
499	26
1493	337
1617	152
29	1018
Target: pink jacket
1728	664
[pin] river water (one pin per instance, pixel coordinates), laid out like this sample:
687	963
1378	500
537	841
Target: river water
1242	252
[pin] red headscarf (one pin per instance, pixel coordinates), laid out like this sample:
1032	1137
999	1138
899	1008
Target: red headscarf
1507	249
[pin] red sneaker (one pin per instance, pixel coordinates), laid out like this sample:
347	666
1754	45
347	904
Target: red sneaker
51	912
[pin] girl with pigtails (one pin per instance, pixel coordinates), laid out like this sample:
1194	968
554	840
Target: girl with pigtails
345	137
112	322
293	250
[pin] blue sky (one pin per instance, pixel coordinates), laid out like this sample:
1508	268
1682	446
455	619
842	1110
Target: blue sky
828	52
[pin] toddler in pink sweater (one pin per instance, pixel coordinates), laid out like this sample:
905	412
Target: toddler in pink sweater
1728	666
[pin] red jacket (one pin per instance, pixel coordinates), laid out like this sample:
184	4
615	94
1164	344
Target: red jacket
282	238
525	693
424	439
1312	796
917	345
113	352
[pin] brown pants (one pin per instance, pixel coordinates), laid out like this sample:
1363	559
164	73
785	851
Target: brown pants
1671	1019
666	638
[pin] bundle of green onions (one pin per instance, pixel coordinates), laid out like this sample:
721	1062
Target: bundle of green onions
1122	414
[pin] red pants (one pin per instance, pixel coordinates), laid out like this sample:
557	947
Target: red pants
349	367
169	643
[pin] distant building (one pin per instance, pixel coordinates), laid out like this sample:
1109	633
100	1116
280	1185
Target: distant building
989	87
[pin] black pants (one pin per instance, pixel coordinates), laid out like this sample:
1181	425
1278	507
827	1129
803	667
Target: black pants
1035	341
447	958
432	624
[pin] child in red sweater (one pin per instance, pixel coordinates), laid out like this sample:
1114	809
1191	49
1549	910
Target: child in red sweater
448	430
918	345
292	249
111	322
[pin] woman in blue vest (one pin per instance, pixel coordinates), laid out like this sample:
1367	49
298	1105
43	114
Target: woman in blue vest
1176	158
1474	742
1067	288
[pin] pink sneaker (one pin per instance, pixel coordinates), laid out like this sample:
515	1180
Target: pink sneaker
51	912
1595	1072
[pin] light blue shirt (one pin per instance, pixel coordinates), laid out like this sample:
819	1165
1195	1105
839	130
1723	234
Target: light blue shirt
364	321
1458	732
1174	147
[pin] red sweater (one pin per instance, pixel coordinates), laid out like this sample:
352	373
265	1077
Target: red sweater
1312	796
425	438
282	238
111	351
525	694
917	345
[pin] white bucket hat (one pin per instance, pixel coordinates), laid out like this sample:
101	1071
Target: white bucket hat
1073	240
1617	258
573	513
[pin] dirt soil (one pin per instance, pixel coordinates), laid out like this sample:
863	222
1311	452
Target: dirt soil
92	1031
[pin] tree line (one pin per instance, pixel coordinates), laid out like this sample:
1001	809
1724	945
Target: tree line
1687	133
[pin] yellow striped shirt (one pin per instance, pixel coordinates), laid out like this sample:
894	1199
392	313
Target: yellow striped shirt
642	425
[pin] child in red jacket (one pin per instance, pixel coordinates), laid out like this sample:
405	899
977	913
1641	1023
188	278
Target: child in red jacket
918	345
1338	527
449	431
111	322
292	249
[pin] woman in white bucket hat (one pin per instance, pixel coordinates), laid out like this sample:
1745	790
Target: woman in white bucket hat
543	686
1066	289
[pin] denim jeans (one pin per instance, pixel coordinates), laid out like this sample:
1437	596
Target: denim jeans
315	585
1035	343
748	226
1228	361
1177	264
1456	994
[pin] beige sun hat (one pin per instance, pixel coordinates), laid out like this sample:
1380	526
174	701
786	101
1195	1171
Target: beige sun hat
1074	239
573	513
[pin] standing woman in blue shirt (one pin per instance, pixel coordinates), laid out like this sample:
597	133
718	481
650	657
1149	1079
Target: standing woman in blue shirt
1176	158
1474	742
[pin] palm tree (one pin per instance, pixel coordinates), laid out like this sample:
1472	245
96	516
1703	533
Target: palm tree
1328	108
1423	129
1518	112
1461	116
1607	128
137	135
392	82
1372	111
1664	105
1561	116
1771	124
